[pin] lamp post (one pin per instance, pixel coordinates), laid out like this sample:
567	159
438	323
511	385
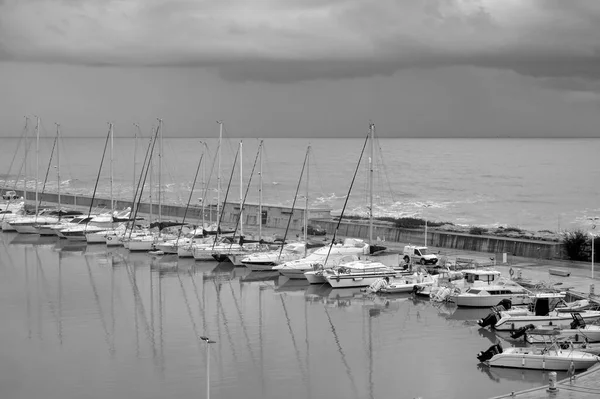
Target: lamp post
593	220
425	238
208	342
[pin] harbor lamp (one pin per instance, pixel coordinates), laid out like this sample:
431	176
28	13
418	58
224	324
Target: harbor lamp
425	238
208	342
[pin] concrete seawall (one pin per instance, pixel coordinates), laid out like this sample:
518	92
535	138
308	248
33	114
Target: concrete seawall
465	242
360	229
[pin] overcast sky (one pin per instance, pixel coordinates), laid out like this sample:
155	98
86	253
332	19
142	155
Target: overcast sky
294	68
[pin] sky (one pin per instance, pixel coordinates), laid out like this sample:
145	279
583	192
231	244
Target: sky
303	68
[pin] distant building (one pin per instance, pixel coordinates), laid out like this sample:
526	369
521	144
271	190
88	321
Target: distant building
272	215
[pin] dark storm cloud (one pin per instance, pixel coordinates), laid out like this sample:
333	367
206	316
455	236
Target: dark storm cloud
295	40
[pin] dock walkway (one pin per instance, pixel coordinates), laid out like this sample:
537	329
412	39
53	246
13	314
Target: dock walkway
582	386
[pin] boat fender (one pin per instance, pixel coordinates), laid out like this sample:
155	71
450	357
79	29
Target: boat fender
511	272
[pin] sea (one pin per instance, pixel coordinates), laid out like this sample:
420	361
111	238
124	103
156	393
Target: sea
532	184
87	321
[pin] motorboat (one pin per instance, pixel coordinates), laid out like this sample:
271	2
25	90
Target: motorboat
577	331
442	286
267	260
541	311
406	284
485	288
323	258
549	357
358	273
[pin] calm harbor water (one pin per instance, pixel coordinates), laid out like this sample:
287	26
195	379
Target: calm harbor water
83	321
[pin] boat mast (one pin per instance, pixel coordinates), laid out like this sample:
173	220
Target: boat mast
241	192
135	143
306	196
151	165
160	157
58	165
26	147
372	128
37	162
203	181
112	205
219	171
260	194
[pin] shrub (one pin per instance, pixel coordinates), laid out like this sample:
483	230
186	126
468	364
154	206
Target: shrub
575	243
477	231
513	229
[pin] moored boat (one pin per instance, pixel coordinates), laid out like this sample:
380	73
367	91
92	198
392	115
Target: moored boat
549	357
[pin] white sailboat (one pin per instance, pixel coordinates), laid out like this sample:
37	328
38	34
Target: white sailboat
362	273
29	224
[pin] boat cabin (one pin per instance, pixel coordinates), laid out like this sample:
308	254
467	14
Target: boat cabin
544	303
481	276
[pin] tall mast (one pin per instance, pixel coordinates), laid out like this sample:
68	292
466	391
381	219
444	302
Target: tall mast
372	128
160	156
37	162
219	170
26	147
135	134
260	194
306	196
151	173
241	192
112	205
203	181
58	165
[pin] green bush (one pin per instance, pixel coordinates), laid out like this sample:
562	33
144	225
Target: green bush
575	243
477	231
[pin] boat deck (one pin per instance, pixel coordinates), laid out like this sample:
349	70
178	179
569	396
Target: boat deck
584	385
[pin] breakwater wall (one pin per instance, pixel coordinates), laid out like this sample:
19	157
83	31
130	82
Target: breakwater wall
442	239
83	201
277	218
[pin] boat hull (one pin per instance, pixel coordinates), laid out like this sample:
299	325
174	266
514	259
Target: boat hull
553	360
355	280
487	301
511	323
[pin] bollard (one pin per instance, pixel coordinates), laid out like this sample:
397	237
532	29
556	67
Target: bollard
552	382
592	289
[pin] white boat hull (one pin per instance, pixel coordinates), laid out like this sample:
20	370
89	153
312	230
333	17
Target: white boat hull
315	277
96	238
510	323
585	334
528	358
355	279
487	301
294	274
141	245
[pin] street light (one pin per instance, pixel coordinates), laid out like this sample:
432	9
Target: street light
425	206
208	342
593	219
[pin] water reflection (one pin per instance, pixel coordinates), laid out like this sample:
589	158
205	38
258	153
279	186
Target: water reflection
140	318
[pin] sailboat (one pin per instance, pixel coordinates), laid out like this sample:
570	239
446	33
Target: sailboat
30	224
276	259
15	208
362	273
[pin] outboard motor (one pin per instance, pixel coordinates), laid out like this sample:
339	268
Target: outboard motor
505	303
578	321
518	333
488	354
489	320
